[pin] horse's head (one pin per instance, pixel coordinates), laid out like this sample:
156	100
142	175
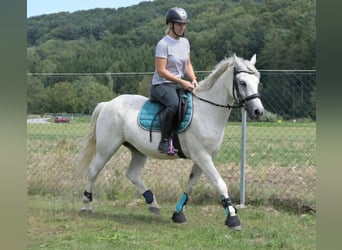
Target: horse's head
245	87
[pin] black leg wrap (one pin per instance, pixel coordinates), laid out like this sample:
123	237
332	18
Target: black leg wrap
233	222
88	195
226	202
178	217
148	195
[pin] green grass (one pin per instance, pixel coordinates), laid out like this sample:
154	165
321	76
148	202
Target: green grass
271	144
283	144
280	164
56	223
280	171
56	131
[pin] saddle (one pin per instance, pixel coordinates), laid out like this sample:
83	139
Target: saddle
148	117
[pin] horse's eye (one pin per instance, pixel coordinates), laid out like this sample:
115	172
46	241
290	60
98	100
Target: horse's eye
243	83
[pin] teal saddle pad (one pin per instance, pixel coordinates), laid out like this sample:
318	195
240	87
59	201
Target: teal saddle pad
148	114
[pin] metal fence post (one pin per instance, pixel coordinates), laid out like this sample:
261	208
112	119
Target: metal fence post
243	157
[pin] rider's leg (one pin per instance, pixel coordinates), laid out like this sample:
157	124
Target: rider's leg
166	125
166	94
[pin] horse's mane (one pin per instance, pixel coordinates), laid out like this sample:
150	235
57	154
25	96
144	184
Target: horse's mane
219	69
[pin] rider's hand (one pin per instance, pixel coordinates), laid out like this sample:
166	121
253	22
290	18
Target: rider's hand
187	85
194	82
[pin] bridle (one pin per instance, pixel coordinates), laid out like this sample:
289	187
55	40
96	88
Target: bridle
240	101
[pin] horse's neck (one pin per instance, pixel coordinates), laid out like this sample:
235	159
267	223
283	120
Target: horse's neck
219	93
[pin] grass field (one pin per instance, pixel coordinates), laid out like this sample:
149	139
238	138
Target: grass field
280	163
282	144
280	174
55	223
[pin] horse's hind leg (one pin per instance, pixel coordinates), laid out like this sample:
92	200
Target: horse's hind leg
102	155
134	174
95	168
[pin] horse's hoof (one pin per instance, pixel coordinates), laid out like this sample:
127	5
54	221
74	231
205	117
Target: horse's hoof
154	210
179	218
85	210
233	223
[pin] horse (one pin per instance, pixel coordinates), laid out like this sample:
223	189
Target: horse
232	84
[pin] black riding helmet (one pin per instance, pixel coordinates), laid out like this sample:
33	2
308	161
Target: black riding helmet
177	15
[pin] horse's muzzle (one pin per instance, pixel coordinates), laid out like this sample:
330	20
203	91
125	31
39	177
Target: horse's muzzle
255	109
258	113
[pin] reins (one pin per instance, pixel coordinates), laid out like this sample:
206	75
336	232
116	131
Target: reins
218	105
238	98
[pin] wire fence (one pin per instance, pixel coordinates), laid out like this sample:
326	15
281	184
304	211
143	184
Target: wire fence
280	151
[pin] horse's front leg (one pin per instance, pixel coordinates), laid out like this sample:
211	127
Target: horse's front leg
134	174
205	164
232	220
179	216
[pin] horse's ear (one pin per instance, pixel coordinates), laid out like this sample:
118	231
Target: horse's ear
235	57
237	60
253	59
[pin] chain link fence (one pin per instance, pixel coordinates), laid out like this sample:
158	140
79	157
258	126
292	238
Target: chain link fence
280	150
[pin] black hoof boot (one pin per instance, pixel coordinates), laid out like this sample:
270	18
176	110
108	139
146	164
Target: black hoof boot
233	222
179	218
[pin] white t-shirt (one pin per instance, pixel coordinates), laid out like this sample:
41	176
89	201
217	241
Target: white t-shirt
176	51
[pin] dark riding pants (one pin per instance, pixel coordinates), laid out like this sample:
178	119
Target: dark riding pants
166	94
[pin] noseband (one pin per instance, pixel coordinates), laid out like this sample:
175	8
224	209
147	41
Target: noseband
236	94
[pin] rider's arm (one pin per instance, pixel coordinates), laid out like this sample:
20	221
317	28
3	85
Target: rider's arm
190	72
163	72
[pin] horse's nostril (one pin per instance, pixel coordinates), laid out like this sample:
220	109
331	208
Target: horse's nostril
257	112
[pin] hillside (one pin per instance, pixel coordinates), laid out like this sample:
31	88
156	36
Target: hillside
281	32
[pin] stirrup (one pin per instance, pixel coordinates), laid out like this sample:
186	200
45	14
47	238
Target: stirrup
172	149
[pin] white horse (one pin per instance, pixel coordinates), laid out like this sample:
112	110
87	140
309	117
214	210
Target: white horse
233	83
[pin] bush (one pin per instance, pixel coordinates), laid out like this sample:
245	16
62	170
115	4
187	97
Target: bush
270	117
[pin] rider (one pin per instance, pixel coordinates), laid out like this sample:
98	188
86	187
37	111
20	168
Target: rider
172	62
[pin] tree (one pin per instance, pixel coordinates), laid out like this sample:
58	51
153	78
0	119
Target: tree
282	33
90	93
36	96
62	98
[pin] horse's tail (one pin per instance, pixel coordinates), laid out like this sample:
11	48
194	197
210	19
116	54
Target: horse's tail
88	144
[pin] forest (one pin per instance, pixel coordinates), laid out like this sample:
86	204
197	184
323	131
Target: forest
110	41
